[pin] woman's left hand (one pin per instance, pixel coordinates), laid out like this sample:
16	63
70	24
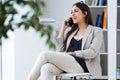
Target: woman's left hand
71	53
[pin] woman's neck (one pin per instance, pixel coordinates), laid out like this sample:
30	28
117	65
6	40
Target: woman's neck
82	26
82	29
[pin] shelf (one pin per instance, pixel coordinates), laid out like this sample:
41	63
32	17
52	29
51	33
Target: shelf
118	6
118	29
118	53
105	53
97	6
46	20
102	77
110	38
107	30
105	77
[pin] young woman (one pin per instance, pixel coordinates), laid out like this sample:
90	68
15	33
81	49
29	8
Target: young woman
79	47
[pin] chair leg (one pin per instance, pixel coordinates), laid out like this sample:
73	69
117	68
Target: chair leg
56	78
75	78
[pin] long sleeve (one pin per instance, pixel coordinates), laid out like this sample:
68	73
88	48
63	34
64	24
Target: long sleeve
59	43
95	43
60	40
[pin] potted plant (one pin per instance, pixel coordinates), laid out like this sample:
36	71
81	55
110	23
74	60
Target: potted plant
8	11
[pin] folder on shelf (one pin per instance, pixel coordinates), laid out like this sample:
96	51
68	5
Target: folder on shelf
101	25
105	18
99	20
101	2
93	3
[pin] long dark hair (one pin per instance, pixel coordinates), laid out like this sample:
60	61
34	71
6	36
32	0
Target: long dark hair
88	20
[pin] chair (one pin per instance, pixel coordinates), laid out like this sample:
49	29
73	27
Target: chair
74	76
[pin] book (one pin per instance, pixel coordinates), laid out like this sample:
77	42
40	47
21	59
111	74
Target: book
93	3
96	2
101	2
99	20
105	18
105	2
118	2
88	2
101	25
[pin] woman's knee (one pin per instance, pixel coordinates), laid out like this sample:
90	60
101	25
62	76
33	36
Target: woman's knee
50	69
46	68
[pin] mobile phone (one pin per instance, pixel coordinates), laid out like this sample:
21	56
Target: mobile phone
70	22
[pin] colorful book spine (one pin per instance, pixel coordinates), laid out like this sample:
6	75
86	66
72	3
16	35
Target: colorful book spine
105	18
99	20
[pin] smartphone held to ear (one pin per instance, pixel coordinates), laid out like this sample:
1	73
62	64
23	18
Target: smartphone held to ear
70	22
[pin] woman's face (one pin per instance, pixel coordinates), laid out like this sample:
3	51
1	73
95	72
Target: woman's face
77	15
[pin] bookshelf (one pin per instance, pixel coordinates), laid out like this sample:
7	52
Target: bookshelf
111	57
118	37
98	10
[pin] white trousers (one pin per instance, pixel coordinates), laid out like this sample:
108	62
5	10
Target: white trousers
53	63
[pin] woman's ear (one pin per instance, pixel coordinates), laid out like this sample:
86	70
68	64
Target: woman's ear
85	13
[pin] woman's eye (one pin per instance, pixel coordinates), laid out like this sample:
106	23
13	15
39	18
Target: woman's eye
76	11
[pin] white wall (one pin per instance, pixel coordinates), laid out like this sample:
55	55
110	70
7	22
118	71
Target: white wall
8	57
28	44
59	10
0	62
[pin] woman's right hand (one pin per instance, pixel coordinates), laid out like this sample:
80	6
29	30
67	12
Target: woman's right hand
65	23
64	27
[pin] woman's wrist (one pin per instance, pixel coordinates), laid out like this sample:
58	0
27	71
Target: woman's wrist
61	33
78	53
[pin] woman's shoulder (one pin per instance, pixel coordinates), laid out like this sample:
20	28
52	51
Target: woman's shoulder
95	28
